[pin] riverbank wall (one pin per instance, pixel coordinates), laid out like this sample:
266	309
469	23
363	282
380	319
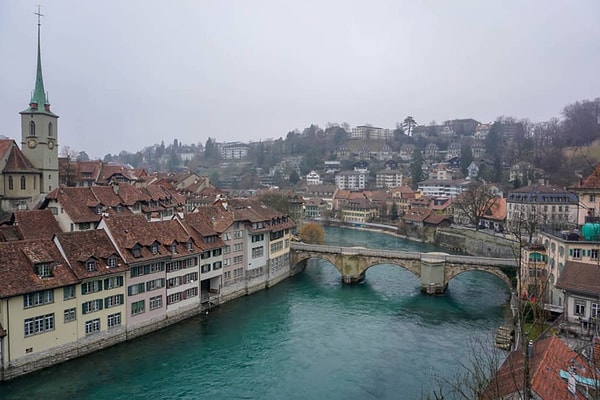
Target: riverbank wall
271	276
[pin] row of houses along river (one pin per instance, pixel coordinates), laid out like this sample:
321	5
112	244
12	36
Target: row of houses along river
309	337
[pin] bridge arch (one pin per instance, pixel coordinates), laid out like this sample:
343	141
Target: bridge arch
454	271
412	267
299	258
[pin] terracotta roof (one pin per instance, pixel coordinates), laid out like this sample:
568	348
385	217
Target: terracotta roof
497	210
436	219
550	356
581	278
417	214
5	146
17	259
9	233
592	181
131	230
36	224
17	162
79	247
77	202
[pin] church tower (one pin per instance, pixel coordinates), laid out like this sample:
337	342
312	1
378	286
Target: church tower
39	130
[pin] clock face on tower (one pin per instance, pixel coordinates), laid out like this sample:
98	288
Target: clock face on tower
31	143
50	144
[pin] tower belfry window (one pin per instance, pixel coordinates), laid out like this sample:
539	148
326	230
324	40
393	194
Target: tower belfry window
10	183
23	186
31	128
50	129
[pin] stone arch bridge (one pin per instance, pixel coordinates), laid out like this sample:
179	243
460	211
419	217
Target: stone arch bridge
434	270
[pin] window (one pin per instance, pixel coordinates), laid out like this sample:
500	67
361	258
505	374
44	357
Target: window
111	262
155	284
92	306
114	320
154	248
258	252
91	287
173	282
190	262
217	252
50	129
10	183
31	128
92	326
190	278
91	265
70	315
238	247
69	292
238	259
173	298
275	247
227	262
174	248
43	270
258	238
238	234
147	269
84	226
173	266
227	236
592	198
113	301
217	265
188	245
39	324
227	249
23	186
580	308
205	268
38	298
205	255
595	310
136	289
138	307
113	282
576	253
192	292
136	251
155	302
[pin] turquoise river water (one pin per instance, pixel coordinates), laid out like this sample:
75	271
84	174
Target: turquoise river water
310	337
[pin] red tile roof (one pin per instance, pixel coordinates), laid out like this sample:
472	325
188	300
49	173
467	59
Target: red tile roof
79	247
17	259
17	162
36	224
581	278
550	356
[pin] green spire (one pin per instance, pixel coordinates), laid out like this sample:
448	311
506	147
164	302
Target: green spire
39	101
39	95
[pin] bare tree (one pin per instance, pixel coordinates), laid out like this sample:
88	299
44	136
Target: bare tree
475	203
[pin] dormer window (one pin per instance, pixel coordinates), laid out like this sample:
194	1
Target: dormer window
98	210
173	248
136	251
154	248
111	262
188	245
43	270
91	265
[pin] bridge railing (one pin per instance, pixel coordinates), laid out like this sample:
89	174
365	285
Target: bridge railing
407	255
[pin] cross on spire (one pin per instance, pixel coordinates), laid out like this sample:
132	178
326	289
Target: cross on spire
39	15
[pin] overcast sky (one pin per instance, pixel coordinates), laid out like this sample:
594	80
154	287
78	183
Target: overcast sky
124	75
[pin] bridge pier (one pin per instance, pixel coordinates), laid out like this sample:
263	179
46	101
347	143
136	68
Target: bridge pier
352	280
433	273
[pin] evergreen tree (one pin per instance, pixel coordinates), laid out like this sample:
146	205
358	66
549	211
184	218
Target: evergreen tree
416	168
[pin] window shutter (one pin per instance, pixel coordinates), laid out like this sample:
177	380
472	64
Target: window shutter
571	252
